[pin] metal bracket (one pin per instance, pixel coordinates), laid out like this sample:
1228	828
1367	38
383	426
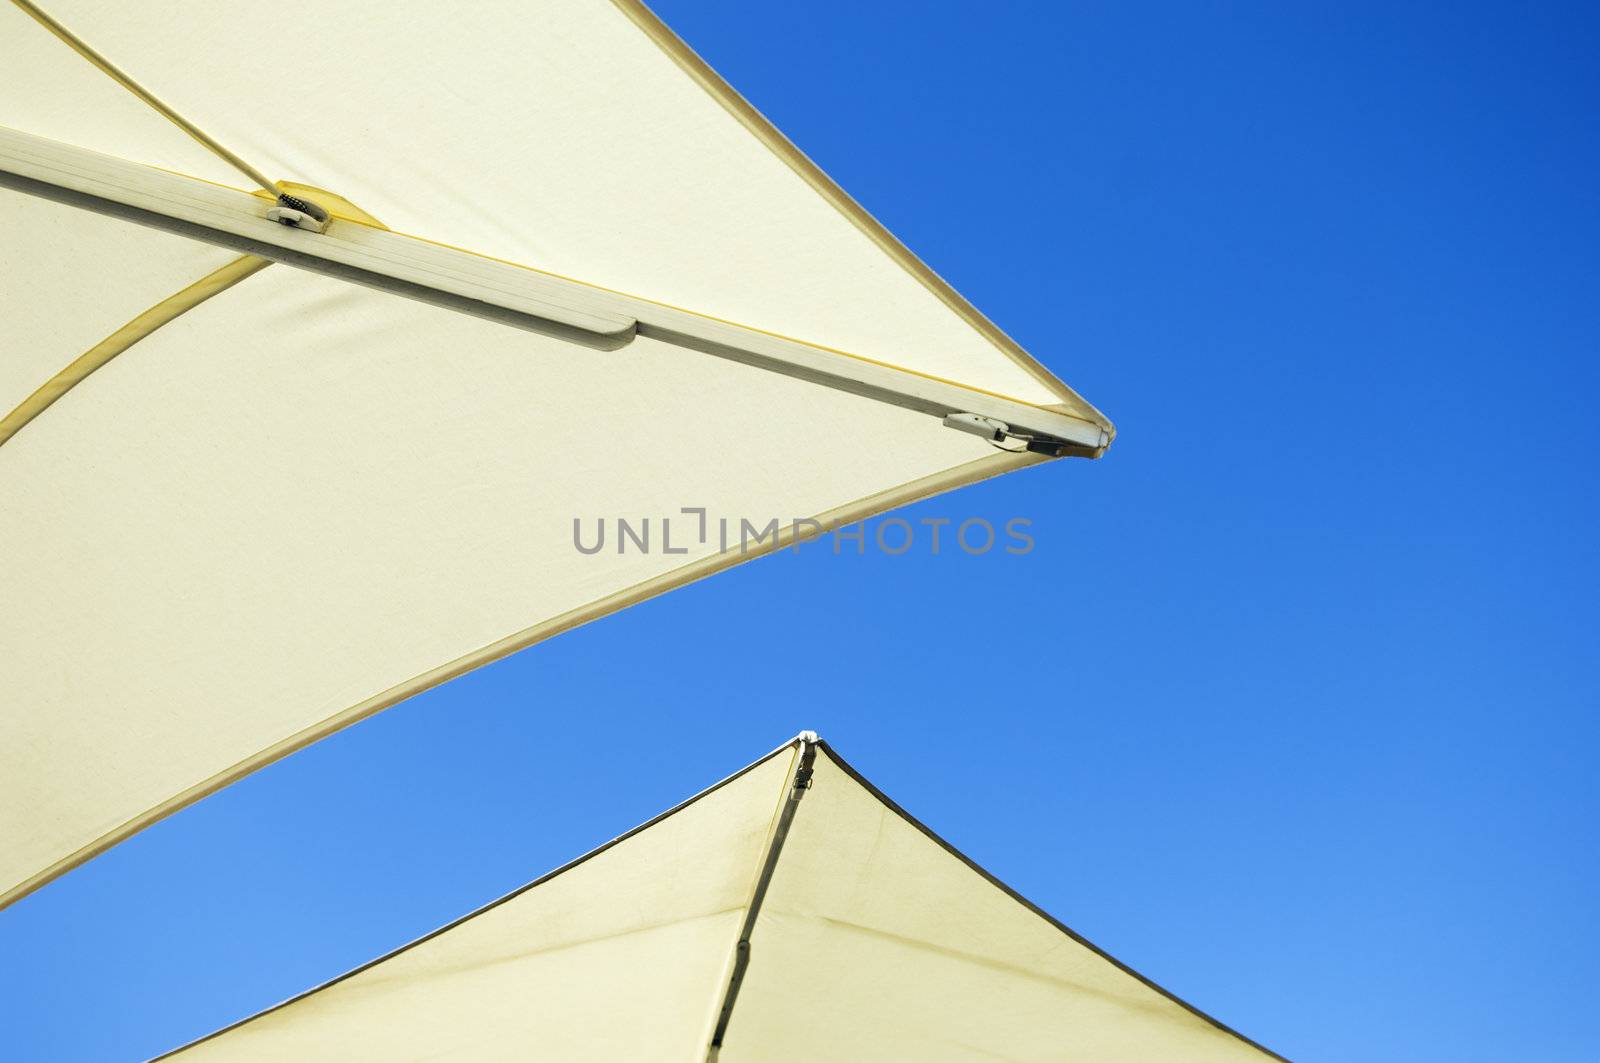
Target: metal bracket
997	431
976	424
298	213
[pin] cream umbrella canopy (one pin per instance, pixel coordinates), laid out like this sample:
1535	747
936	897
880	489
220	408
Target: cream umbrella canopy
321	328
791	912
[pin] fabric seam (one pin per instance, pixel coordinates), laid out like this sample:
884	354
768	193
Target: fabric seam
140	326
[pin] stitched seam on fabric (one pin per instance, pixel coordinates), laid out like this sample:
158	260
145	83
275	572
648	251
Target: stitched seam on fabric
142	325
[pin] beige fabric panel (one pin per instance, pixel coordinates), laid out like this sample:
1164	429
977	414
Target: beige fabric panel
877	943
68	279
620	957
556	135
303	493
874	943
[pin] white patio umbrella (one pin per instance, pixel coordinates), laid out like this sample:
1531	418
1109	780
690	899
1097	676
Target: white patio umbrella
791	912
322	324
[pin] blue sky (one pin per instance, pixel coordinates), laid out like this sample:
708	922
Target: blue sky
1322	763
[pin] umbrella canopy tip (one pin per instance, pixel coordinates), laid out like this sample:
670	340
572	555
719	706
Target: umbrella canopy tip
808	738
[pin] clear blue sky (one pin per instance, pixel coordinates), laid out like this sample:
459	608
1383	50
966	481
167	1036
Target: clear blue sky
1325	763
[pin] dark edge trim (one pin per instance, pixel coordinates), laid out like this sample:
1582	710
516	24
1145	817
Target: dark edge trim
890	803
519	891
799	783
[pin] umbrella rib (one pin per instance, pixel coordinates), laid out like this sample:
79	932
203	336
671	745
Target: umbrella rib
504	292
799	783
